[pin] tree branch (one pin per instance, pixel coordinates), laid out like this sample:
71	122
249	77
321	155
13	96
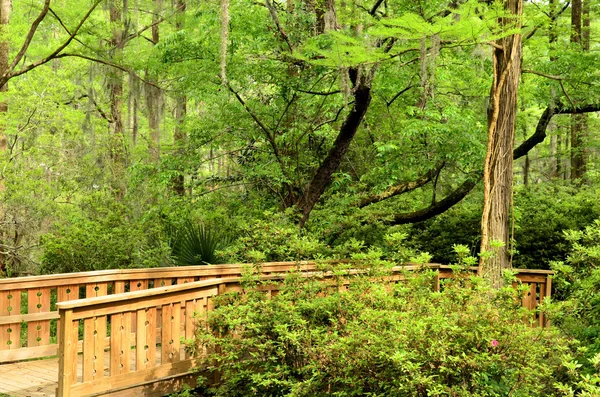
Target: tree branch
28	38
270	135
375	7
540	130
282	32
55	54
439	207
401	188
108	63
389	103
318	93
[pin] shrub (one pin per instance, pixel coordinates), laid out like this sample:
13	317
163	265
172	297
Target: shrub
195	244
577	281
378	339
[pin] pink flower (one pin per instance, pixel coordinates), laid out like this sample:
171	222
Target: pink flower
494	343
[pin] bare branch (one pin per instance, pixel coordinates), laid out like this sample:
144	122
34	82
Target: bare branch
270	135
389	103
55	54
540	131
282	32
108	63
402	188
319	93
28	38
548	76
438	207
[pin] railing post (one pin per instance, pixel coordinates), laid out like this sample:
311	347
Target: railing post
548	292
67	353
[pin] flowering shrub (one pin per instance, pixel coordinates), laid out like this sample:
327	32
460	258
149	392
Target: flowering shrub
379	339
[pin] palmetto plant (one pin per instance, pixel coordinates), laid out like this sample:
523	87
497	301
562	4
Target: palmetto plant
195	244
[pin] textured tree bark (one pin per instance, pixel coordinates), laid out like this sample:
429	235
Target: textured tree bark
498	167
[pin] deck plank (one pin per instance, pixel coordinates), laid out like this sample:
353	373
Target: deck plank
39	378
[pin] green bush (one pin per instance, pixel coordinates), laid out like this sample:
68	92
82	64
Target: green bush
103	233
577	282
379	339
196	244
542	213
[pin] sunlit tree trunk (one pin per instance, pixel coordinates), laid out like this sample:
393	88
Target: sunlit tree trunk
498	167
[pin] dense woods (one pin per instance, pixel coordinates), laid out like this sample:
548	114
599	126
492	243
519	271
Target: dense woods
145	133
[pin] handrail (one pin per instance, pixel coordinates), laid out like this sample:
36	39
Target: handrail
146	328
28	304
31	302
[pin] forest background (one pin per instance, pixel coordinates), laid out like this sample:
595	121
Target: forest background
289	130
140	133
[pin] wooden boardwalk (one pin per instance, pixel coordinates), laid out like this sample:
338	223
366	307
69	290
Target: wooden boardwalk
37	378
119	333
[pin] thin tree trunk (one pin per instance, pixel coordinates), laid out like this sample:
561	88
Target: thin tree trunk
179	135
5	8
115	87
154	95
578	121
498	167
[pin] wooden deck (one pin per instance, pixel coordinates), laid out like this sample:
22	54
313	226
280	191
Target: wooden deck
29	379
39	378
118	333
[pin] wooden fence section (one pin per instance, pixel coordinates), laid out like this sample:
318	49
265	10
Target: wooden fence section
29	321
30	324
146	327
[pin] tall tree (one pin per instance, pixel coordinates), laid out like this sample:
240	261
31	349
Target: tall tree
179	135
115	88
578	121
5	6
154	94
498	167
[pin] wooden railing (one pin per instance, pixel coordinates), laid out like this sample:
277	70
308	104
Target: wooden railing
141	353
30	324
29	320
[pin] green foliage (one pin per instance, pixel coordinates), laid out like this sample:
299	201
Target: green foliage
577	281
379	339
274	238
102	233
542	213
196	244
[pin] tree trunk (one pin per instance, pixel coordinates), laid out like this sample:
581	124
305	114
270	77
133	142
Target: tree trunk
5	7
322	178
578	121
179	135
115	87
154	95
498	167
